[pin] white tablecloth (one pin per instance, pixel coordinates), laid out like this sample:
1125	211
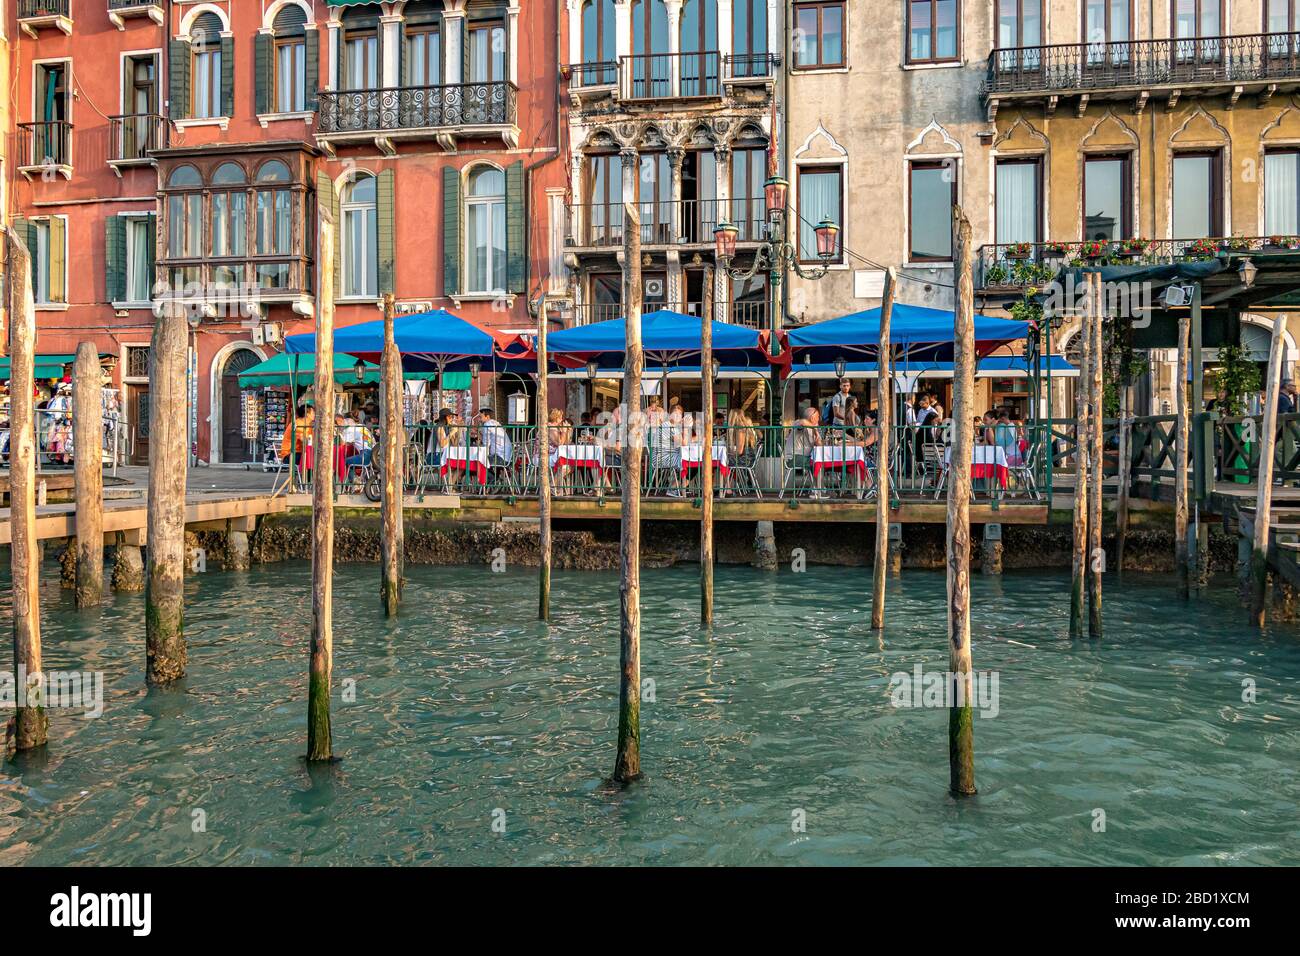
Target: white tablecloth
692	454
838	454
982	455
579	456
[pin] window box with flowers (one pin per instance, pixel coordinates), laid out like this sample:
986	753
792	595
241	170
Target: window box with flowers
1203	249
1019	250
1132	248
1095	249
1234	244
1056	250
1281	243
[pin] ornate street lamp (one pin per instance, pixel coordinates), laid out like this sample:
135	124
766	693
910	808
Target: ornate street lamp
592	368
359	370
474	367
840	366
1247	271
775	192
716	369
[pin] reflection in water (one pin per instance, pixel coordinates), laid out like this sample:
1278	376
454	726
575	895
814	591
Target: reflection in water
466	711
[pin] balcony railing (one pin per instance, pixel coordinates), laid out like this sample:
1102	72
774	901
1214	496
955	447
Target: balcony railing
649	76
132	4
745	66
1023	264
669	223
120	10
45	144
133	135
1084	67
604	73
41	9
417	107
753	314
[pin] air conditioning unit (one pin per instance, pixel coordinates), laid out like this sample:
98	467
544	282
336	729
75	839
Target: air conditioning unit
272	333
258	336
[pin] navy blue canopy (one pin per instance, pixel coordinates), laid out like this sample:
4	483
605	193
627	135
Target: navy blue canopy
429	341
913	328
666	338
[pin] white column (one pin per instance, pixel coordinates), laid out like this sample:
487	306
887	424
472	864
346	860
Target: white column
726	42
390	29
332	54
674	46
623	27
454	24
577	211
512	27
574	8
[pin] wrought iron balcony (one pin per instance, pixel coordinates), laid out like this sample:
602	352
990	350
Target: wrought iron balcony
120	10
602	73
133	136
406	112
739	67
45	148
35	14
1216	65
1015	266
654	76
685	222
750	313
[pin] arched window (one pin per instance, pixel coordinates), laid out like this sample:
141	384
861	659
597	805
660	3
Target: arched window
360	236
205	66
749	38
229	215
699	46
184	223
651	64
599	43
274	223
360	67
485	230
290	69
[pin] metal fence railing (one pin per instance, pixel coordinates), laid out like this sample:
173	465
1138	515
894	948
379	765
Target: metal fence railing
54	445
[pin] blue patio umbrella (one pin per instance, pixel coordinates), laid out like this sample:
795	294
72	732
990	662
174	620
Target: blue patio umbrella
668	339
914	329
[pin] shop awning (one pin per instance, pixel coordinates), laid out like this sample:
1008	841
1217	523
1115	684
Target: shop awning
45	366
912	327
278	371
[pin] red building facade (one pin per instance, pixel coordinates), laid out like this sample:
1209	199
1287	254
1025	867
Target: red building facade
183	149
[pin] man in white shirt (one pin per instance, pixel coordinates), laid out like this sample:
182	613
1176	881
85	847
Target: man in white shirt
495	439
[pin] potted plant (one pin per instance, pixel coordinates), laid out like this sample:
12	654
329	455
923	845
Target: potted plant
995	274
1281	243
1056	250
1132	248
1234	244
1094	249
1019	250
1202	249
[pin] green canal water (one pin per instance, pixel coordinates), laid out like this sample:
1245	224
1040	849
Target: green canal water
771	740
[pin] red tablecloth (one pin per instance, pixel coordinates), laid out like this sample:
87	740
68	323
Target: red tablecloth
986	461
990	471
341	455
858	467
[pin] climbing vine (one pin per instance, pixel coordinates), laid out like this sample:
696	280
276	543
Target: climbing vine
1236	377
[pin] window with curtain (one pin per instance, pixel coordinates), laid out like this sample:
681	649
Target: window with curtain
1020	33
605	196
274	223
1196	25
360	59
1280	24
42	291
820	196
655	194
360	251
1018	201
932	193
932	27
205	66
290	60
139	260
229	211
1107	198
185	213
423	59
487	52
1282	192
485	230
748	207
1198	207
1106	28
819	35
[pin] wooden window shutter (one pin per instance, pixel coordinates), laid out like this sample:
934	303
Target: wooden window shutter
516	233
178	92
58	260
384	218
312	57
450	231
264	76
227	76
114	258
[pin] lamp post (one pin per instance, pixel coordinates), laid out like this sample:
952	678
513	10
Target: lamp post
776	254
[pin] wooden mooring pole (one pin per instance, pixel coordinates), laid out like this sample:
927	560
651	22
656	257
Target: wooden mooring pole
393	447
884	419
165	545
1096	465
543	471
320	739
88	477
706	454
31	725
1264	492
1079	524
1180	460
627	763
1125	473
961	742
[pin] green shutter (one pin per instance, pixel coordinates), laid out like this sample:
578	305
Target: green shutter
58	260
327	199
263	79
178	94
450	231
384	215
312	56
25	231
516	233
227	76
114	259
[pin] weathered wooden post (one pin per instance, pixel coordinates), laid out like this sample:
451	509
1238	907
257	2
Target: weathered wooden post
165	548
31	725
87	440
1264	491
884	407
1180	460
320	740
1096	556
1125	473
627	763
961	742
1082	418
543	471
706	454
392	545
